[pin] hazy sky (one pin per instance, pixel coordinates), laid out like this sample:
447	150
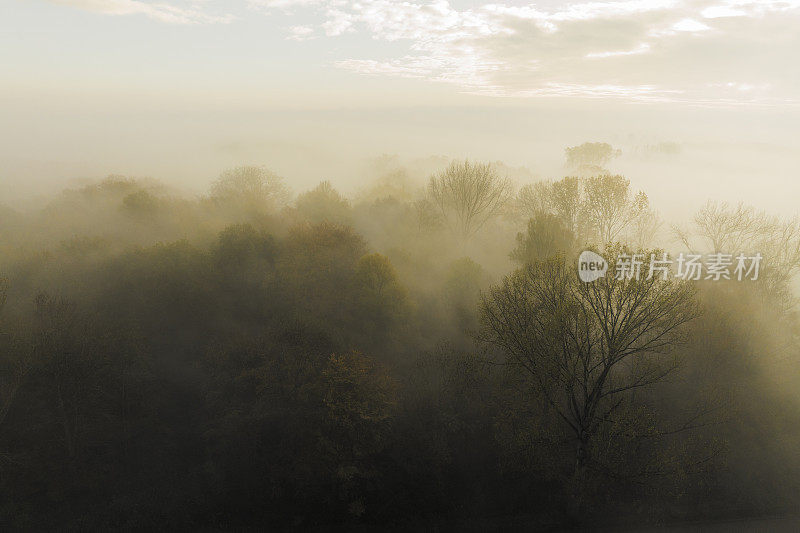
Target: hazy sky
182	88
665	50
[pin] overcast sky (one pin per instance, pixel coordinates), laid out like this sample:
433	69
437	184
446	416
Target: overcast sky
89	86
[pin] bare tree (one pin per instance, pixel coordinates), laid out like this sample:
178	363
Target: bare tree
727	228
566	202
251	188
534	199
781	249
562	199
645	224
467	195
609	206
600	208
587	346
721	228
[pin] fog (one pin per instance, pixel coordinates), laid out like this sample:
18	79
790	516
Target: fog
344	338
728	153
399	265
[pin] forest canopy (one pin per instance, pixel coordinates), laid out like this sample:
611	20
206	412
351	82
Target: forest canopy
420	354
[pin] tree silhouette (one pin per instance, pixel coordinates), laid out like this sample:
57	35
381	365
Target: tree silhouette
467	195
586	345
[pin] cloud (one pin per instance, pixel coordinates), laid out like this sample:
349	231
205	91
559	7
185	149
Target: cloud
301	33
641	49
281	4
338	23
684	50
689	25
644	49
713	12
162	12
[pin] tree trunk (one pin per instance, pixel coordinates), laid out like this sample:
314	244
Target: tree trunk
579	478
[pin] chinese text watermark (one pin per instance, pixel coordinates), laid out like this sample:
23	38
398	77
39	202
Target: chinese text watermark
693	267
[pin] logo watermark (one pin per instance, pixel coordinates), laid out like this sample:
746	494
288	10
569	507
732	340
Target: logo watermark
694	267
591	266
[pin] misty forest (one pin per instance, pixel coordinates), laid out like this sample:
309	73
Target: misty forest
419	354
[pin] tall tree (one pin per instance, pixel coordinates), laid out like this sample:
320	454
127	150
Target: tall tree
534	198
251	189
467	195
645	224
721	228
546	236
587	346
323	203
609	206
